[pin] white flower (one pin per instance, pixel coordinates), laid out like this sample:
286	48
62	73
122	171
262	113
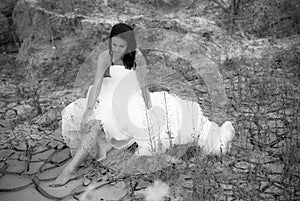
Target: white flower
88	195
157	191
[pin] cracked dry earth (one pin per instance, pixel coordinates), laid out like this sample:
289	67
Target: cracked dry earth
27	170
32	151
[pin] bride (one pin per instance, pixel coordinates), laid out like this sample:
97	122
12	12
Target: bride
119	110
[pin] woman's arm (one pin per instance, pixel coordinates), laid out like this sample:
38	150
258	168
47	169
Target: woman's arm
102	65
141	71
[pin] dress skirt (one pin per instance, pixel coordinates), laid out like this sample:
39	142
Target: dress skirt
120	115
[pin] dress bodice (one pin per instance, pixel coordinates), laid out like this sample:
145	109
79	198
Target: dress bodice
116	92
117	72
118	75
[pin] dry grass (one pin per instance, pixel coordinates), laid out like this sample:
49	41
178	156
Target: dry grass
264	162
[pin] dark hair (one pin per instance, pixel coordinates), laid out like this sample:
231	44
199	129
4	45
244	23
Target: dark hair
125	32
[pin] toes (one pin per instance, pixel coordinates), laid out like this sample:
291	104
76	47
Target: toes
62	183
58	183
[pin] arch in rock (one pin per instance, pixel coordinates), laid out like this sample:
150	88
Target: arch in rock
185	46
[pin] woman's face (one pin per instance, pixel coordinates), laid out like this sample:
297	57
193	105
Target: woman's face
118	46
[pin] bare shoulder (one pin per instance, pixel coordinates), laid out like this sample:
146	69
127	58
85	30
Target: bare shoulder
104	61
105	56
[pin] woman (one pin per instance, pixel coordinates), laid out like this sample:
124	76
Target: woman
122	52
129	113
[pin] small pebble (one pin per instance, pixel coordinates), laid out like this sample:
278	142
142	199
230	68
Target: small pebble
11	105
86	182
10	114
34	136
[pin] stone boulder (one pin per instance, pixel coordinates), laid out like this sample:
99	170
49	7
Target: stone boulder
3	24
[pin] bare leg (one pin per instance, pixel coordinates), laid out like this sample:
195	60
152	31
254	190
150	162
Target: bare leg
89	141
69	172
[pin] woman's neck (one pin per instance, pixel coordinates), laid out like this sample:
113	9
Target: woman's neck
117	61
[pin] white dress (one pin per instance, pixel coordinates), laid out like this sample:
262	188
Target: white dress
122	111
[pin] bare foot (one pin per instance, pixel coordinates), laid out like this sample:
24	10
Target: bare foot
65	176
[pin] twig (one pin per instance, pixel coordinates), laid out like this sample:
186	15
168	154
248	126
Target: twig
169	133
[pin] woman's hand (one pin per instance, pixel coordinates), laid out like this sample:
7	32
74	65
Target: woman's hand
84	121
148	103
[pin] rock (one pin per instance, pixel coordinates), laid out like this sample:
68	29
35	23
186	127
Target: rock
6	6
10	114
4	146
8	89
3	48
277	190
86	181
3	104
31	142
4	27
21	156
12	47
11	105
15	166
24	110
21	146
4	124
7	35
188	185
2	167
56	144
48	118
35	136
57	134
